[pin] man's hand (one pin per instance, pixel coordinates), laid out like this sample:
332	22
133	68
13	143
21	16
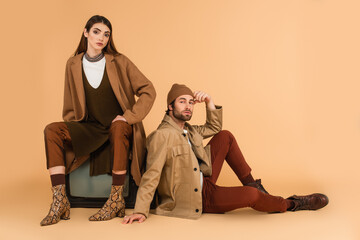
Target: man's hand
134	217
200	97
119	118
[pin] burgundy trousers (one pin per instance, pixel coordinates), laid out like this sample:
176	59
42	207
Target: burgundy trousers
218	199
57	136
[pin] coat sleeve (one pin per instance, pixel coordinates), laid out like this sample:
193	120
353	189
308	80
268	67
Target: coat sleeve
156	158
68	109
143	89
213	123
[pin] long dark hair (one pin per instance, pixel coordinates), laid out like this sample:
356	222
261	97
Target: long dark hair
109	48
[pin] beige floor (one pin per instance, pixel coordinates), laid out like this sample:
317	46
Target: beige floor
19	219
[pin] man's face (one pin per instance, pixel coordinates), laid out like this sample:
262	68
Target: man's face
183	107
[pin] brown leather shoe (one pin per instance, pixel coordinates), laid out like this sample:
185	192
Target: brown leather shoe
257	184
309	202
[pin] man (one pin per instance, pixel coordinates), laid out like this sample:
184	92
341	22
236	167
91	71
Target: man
185	173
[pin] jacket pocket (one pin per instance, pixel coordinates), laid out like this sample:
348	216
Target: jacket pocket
180	149
181	155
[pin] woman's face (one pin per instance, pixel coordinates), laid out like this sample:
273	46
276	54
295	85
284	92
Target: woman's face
97	37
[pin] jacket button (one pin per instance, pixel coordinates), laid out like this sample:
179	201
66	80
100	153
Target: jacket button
195	189
195	169
197	210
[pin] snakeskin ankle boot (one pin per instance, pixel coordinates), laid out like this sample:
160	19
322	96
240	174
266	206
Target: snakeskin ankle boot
60	207
114	206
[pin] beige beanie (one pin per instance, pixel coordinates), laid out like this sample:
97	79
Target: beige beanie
178	90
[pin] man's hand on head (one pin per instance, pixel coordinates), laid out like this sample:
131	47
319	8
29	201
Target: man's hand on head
200	97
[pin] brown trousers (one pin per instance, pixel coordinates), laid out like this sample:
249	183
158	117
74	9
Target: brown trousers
218	199
57	136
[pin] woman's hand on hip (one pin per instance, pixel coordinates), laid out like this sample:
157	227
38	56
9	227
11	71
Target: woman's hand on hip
119	118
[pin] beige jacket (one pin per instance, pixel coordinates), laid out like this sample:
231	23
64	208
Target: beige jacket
173	167
127	82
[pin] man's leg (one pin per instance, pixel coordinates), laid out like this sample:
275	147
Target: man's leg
120	137
218	199
224	147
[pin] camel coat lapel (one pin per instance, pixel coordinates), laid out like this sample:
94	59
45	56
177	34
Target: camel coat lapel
114	79
76	69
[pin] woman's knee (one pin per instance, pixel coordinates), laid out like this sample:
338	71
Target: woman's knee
120	128
52	128
118	125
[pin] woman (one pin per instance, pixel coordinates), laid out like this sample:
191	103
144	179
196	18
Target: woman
101	120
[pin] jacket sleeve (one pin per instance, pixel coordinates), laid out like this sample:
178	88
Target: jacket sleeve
68	109
143	89
213	123
156	158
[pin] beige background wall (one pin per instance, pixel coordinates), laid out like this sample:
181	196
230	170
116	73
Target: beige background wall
286	73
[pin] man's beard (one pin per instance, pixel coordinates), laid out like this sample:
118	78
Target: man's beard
179	116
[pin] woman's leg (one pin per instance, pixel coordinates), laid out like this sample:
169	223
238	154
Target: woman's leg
56	136
120	139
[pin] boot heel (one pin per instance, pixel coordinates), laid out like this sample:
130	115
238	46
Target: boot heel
121	213
66	214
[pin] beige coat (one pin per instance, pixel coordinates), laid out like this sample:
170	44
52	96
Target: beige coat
173	167
126	81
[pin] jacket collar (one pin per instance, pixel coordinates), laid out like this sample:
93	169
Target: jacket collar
194	137
168	120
